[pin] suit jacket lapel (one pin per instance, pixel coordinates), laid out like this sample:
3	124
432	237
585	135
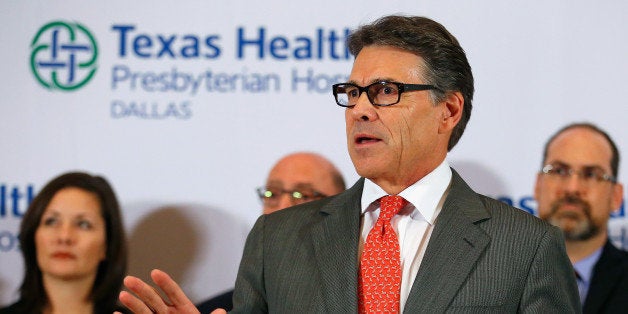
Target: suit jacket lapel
454	247
335	240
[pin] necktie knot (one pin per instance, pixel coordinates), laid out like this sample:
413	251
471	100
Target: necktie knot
390	205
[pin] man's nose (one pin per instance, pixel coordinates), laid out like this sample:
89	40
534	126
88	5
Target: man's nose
285	201
363	110
574	183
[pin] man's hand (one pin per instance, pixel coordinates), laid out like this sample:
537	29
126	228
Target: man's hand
147	299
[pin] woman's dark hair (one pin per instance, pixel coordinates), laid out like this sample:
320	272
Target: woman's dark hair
111	271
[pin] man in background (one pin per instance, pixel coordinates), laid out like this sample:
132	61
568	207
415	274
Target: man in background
295	179
577	190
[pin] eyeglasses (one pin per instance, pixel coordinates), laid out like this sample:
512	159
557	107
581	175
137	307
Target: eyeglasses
587	174
271	196
381	93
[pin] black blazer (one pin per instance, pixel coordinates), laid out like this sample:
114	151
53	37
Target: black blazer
608	292
222	301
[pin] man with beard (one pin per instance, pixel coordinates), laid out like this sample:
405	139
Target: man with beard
577	191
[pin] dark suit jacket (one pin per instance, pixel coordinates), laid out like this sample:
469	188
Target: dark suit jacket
608	292
221	301
483	257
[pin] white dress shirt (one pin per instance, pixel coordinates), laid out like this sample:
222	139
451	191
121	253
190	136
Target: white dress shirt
413	224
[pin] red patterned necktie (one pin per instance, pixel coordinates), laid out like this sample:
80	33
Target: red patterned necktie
379	280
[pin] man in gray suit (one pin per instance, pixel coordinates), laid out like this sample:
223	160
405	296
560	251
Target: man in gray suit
407	103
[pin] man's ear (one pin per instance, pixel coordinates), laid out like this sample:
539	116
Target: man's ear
617	197
537	187
452	111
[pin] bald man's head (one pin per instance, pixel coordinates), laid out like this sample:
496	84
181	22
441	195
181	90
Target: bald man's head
311	175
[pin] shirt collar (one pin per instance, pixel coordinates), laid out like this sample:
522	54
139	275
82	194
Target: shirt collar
424	194
584	267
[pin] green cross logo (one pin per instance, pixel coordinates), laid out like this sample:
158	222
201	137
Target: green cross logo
63	56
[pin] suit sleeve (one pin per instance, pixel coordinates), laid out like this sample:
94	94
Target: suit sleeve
551	283
250	295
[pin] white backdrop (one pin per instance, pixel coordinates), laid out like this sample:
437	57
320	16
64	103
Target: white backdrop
185	160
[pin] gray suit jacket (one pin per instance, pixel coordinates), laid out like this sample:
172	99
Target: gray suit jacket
483	257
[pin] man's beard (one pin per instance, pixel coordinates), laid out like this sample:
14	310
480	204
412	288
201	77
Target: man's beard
574	226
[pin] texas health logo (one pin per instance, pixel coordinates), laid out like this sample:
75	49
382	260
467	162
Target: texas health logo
63	56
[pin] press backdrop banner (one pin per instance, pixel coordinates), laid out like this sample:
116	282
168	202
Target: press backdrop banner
184	106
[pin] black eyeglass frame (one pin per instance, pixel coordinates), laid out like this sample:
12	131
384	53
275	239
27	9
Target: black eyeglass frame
401	87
